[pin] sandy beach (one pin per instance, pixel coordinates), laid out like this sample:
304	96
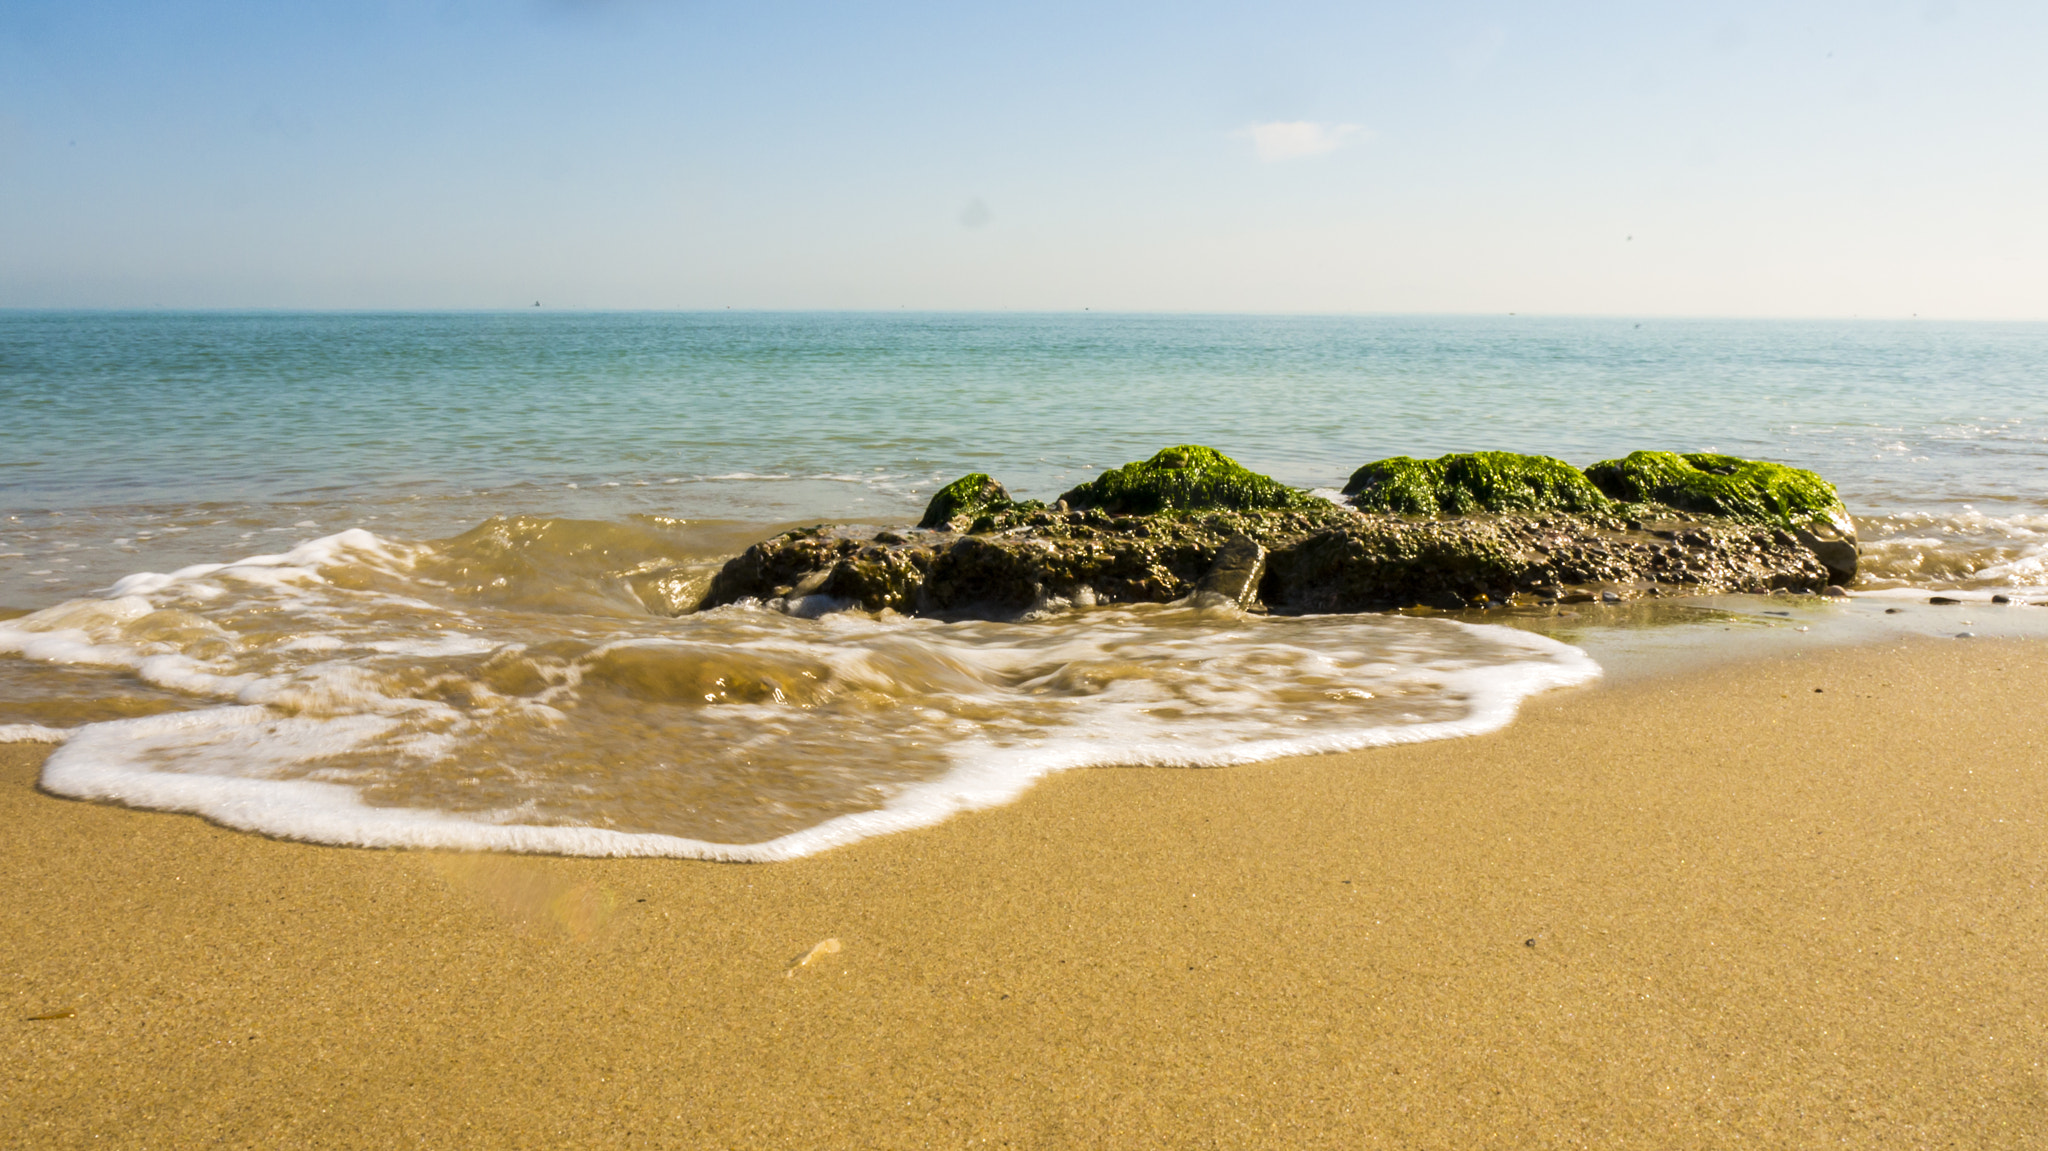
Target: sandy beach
1780	904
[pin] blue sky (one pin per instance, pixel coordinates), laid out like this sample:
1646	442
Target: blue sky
1769	159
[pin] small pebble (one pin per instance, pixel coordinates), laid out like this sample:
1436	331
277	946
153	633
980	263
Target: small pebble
1966	635
1942	599
2001	599
1892	611
1609	597
1836	591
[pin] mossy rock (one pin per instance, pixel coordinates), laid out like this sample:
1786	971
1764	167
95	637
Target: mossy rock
1716	485
1467	482
1187	477
971	497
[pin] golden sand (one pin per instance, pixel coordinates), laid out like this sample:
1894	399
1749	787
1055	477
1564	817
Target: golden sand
1710	912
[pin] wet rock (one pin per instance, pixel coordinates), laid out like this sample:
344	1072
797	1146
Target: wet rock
2001	599
1233	577
1835	591
1461	531
1942	599
1833	543
1322	558
1374	562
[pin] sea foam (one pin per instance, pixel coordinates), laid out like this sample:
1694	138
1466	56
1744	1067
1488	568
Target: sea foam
352	692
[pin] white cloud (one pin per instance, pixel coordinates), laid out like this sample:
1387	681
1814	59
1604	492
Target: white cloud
1294	139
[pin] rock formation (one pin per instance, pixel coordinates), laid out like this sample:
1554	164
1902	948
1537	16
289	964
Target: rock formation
1464	530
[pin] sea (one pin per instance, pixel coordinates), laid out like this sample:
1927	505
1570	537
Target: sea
425	580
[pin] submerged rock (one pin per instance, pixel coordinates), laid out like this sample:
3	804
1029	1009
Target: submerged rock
1191	522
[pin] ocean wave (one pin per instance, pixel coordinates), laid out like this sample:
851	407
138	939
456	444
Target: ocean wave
1965	549
518	688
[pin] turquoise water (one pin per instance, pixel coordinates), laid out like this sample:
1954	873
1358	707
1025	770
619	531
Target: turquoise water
408	580
220	424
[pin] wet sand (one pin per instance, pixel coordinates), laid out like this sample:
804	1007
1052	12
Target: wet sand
1710	912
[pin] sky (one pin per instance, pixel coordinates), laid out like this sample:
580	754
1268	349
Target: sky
1771	159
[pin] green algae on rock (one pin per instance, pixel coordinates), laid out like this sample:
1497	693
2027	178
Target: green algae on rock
1716	485
1187	477
1752	491
965	500
1470	529
1467	482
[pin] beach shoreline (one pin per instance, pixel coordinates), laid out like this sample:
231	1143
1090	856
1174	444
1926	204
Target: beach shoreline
1788	901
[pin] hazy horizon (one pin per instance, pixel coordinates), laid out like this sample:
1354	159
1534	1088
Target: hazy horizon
514	310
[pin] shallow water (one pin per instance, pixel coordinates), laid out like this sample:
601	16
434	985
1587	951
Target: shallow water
420	574
354	691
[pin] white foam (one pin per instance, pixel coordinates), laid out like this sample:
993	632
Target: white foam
32	733
126	761
2026	570
315	642
69	646
300	563
1967	550
328	690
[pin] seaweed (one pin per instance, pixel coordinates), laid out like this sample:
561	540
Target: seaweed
1702	483
1186	477
1467	482
972	497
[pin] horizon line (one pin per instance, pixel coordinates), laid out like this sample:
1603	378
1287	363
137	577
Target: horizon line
18	309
